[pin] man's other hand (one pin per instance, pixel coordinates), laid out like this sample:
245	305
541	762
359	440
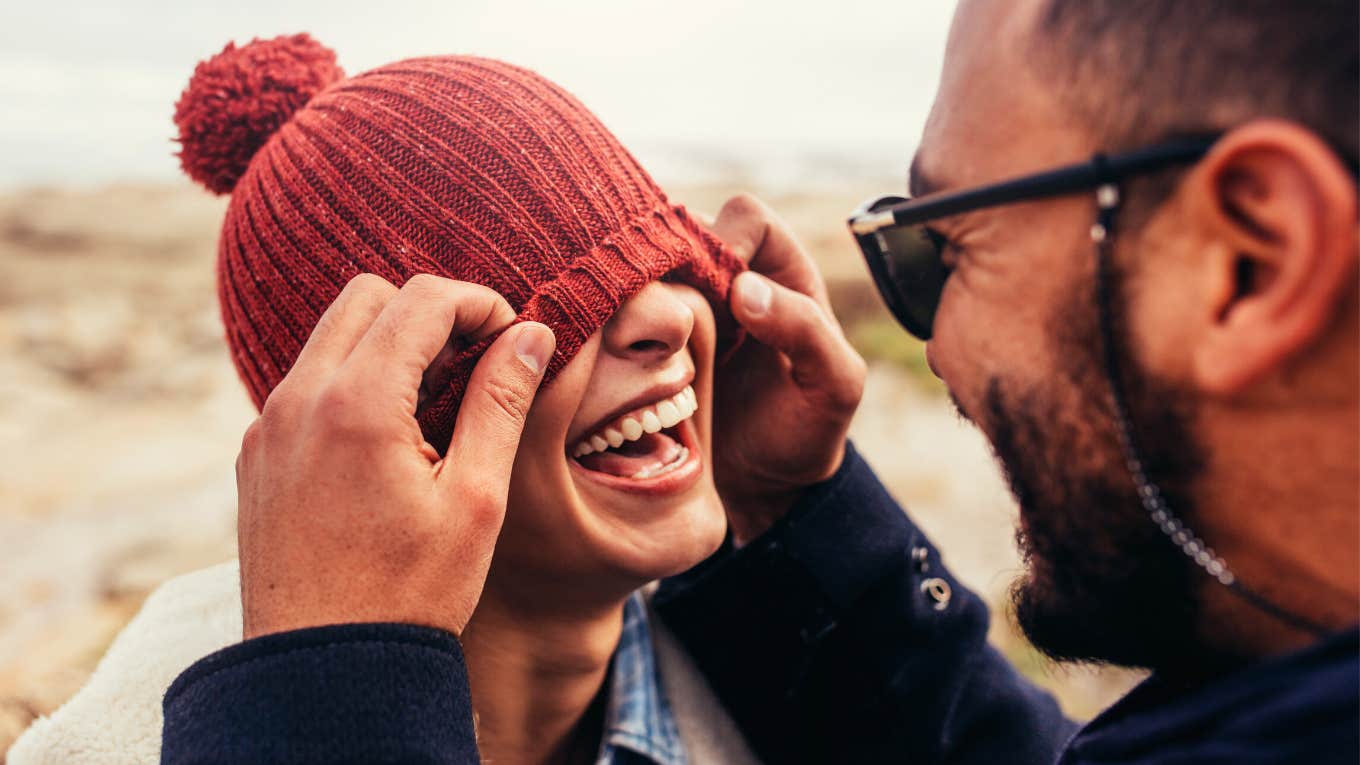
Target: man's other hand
346	514
785	398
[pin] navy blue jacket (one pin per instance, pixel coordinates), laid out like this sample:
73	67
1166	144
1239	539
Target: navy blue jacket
838	636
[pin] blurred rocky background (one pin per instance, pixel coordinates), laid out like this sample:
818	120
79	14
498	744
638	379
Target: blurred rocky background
121	414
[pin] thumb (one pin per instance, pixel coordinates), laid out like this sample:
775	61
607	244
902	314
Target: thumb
797	326
495	407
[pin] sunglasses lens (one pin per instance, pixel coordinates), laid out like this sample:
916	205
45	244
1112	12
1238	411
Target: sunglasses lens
907	269
911	262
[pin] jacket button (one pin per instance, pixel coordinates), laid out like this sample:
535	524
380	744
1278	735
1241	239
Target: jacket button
921	557
939	591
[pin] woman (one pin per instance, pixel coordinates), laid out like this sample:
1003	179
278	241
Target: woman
475	170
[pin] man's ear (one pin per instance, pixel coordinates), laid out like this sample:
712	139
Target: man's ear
1276	208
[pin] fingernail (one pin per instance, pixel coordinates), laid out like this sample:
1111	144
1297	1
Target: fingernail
534	346
755	294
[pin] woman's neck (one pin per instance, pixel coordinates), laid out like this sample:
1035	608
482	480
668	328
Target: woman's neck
535	671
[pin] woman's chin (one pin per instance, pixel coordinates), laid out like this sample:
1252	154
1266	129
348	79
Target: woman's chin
672	538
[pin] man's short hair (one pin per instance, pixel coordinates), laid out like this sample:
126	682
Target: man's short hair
1138	71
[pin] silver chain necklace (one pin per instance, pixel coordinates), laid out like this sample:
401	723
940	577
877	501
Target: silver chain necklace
1189	543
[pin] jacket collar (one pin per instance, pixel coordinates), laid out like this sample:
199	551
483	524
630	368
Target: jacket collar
1302	703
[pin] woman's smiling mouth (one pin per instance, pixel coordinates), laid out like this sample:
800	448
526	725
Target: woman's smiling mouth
651	449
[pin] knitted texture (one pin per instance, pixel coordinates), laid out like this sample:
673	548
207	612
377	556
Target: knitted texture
237	99
458	166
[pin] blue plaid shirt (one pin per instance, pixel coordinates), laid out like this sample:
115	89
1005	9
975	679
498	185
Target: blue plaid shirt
639	727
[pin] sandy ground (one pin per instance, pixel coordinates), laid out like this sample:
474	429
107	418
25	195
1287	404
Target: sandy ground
120	417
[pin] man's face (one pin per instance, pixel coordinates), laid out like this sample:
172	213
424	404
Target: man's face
1017	342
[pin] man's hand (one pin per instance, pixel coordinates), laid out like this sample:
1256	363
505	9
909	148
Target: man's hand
785	399
346	514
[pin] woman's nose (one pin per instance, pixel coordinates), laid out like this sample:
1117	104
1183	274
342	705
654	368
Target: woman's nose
652	325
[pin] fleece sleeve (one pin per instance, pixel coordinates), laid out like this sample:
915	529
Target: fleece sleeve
355	693
839	636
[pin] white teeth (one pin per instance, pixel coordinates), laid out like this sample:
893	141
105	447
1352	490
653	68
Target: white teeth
632	429
685	403
650	422
668	414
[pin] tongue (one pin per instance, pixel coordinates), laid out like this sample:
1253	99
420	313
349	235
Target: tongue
650	452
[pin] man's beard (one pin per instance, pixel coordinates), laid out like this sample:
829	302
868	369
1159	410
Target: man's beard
1103	583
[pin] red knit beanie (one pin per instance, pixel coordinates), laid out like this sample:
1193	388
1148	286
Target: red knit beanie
457	166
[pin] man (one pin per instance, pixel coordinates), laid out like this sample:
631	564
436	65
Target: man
1164	349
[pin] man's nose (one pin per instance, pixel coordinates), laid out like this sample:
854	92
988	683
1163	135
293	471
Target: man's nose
652	326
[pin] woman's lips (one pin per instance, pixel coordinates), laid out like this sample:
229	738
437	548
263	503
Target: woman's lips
671	472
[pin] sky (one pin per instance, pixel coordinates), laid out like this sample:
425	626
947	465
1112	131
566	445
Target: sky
693	87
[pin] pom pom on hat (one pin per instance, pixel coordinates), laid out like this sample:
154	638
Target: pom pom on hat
237	99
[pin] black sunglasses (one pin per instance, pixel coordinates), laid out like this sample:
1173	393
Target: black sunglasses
905	257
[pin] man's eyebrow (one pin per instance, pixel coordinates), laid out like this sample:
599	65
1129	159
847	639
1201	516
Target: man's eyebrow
918	183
